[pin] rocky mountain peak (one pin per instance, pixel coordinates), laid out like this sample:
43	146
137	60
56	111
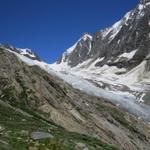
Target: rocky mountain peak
78	52
144	1
130	34
97	96
24	52
86	36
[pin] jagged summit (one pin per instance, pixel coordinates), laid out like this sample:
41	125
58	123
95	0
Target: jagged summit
78	52
144	1
86	36
116	57
25	52
131	33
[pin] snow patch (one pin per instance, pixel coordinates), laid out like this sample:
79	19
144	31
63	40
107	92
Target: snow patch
86	37
115	29
140	7
135	75
141	100
26	52
70	50
148	3
92	66
84	64
88	87
128	55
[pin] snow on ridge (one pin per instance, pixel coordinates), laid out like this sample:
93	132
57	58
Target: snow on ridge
105	32
89	64
118	25
26	51
128	55
136	75
88	87
141	12
140	7
71	49
127	15
86	36
84	64
92	66
115	28
90	47
63	66
148	3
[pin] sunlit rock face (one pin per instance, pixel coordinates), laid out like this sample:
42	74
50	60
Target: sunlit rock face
144	1
115	57
130	34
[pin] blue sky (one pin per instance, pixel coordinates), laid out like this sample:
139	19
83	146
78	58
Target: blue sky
51	26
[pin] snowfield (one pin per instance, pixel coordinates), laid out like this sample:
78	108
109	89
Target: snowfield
79	81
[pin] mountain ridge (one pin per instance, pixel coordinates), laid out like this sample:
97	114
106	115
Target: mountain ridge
118	57
22	51
31	89
96	96
104	41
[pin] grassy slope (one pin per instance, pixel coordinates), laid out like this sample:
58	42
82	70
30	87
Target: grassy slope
17	127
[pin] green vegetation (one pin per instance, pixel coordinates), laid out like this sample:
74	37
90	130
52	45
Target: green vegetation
18	121
17	128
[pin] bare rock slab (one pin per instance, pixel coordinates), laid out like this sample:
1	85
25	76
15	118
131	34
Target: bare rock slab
41	135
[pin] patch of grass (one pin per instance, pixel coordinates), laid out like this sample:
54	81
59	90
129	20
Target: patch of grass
18	127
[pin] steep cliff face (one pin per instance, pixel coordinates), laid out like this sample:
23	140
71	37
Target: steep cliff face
130	34
118	58
78	53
